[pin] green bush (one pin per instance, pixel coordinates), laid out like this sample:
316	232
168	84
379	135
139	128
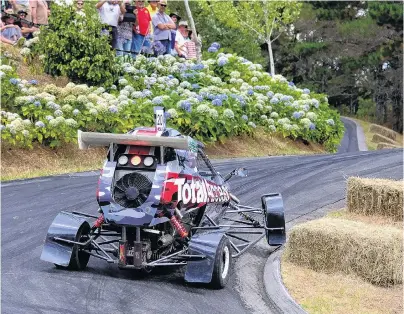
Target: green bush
74	46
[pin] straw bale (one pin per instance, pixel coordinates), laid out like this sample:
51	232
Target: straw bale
386	146
374	253
375	197
374	128
377	138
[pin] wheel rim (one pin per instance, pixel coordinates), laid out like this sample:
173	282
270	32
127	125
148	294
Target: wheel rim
225	262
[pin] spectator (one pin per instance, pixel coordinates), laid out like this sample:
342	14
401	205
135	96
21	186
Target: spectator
110	11
26	27
142	27
175	18
153	9
19	5
125	30
180	38
10	33
39	11
163	25
79	6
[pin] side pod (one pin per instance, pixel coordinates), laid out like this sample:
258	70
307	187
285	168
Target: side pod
65	226
274	218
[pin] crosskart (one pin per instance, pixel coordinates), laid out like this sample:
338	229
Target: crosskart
162	203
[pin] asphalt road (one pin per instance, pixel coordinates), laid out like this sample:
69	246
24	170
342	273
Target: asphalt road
349	142
308	184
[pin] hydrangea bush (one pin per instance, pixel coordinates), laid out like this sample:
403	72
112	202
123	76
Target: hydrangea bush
221	96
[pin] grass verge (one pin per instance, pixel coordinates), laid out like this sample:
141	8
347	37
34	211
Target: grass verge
366	126
338	293
42	161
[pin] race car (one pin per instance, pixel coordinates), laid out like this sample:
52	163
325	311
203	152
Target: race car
162	203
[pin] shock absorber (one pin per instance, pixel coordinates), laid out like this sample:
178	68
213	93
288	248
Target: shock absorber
178	226
98	223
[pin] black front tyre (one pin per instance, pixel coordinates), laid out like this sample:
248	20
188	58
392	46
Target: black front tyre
223	264
79	259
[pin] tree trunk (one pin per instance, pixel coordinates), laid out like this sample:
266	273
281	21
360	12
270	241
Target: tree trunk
196	39
271	58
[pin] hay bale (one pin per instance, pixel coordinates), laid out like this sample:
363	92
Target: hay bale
386	146
377	138
375	253
374	128
375	197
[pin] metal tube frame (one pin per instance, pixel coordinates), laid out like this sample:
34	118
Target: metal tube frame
178	258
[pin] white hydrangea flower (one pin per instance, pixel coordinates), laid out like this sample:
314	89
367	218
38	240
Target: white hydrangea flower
312	116
213	113
228	113
5	68
202	108
274	115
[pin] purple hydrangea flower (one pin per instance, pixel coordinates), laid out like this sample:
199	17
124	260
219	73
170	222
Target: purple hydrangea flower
291	84
167	115
195	86
40	124
250	92
197	67
222	61
33	82
306	91
312	126
216	102
13	81
157	100
270	94
113	109
37	103
297	115
212	49
244	117
223	97
186	105
216	45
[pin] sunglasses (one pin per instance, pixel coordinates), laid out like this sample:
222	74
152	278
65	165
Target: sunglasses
163	5
80	4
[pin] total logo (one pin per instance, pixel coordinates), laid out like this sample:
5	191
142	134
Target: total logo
200	191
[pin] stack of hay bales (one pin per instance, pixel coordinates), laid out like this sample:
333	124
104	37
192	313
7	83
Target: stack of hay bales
375	197
384	137
375	253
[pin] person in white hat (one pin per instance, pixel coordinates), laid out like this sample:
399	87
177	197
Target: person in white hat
180	37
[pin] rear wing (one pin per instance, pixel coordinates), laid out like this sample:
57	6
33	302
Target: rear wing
93	139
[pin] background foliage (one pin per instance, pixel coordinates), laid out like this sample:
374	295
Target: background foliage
74	47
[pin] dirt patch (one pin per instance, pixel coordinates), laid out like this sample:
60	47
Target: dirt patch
339	293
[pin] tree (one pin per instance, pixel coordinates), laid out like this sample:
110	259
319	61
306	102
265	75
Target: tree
196	40
264	20
351	51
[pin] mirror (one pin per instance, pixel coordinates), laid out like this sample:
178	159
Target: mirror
241	172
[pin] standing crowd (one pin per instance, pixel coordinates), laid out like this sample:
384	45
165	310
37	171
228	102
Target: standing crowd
136	28
28	12
133	27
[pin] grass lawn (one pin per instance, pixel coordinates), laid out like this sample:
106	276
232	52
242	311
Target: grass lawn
338	293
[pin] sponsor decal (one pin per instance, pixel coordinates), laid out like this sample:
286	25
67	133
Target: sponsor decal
195	190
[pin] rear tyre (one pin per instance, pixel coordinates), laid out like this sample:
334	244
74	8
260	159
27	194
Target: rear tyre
223	264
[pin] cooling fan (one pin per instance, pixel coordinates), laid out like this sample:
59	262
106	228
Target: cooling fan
132	190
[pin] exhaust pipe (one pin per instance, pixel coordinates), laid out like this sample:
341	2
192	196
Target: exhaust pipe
165	240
